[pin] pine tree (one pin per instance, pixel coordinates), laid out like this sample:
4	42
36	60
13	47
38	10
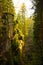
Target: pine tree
22	13
7	13
38	32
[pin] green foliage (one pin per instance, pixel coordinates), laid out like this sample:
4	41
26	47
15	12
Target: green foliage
21	17
13	33
17	40
7	6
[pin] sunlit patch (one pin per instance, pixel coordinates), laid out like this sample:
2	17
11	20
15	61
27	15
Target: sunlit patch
28	3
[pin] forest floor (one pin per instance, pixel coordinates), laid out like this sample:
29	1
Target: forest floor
27	51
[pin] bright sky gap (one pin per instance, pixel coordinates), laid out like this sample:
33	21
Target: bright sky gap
28	4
